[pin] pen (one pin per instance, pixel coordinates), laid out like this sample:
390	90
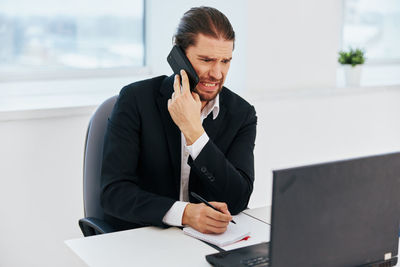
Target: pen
199	198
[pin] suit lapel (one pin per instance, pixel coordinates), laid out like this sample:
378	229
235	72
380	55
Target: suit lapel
172	132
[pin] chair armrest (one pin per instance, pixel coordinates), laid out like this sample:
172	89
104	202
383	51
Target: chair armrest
93	226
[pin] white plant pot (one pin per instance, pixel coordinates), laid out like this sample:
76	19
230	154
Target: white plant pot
352	75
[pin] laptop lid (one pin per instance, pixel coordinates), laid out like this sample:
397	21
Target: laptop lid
343	213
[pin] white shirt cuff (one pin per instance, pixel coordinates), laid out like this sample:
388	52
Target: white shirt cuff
174	215
195	148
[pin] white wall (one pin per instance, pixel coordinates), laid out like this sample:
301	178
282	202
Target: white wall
280	45
41	190
328	125
292	44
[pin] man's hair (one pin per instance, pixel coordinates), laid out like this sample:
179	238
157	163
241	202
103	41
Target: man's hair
205	20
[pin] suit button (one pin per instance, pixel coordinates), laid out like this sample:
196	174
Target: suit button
203	169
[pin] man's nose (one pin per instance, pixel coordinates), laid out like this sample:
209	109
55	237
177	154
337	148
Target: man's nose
216	71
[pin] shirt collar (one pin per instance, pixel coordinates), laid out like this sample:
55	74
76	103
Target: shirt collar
212	106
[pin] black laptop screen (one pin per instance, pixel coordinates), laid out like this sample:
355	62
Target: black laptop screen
343	213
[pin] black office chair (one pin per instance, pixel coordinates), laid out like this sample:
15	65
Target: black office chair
94	223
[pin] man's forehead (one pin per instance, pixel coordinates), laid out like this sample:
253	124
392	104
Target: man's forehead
212	47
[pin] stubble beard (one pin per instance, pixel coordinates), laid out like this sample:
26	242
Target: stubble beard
206	97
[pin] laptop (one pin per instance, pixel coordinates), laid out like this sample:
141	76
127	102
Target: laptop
343	213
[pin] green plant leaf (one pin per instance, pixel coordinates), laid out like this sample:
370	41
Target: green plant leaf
352	56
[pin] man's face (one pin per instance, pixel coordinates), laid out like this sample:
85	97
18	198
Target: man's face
211	59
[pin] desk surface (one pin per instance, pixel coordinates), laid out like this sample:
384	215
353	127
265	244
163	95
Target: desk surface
149	246
152	246
263	213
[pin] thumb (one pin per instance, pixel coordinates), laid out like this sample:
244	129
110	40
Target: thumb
196	97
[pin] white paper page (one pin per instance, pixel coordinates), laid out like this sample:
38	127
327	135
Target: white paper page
259	231
235	232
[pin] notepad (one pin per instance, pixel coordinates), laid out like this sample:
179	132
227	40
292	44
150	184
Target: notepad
231	235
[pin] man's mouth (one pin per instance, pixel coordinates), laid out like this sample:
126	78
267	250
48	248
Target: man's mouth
209	86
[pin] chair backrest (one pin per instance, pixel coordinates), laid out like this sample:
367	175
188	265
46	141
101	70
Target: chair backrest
93	157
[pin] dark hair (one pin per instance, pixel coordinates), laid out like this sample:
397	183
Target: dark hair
205	20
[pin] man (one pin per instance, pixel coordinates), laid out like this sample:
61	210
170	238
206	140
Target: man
164	141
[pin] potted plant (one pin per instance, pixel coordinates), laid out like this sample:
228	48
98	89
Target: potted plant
352	61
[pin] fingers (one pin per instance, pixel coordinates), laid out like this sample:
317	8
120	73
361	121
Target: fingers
222	211
216	222
222	207
178	90
212	229
177	85
206	219
185	82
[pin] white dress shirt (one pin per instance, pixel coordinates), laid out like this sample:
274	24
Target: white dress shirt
174	215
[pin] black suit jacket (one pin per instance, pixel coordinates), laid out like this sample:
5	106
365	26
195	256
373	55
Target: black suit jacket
142	156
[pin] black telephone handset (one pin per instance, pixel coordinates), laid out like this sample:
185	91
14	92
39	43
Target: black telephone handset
178	60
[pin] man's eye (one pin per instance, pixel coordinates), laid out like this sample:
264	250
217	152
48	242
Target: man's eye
226	61
206	60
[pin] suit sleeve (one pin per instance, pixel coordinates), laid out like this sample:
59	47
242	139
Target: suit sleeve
121	196
227	177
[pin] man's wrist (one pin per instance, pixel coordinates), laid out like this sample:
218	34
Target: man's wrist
186	214
192	136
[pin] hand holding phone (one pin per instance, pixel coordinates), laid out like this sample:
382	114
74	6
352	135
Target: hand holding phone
178	61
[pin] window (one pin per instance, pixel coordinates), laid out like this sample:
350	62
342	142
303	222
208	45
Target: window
50	36
373	25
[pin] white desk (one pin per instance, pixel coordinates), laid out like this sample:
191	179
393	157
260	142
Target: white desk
152	246
263	213
148	246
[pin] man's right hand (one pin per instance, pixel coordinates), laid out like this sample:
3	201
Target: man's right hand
185	109
205	219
